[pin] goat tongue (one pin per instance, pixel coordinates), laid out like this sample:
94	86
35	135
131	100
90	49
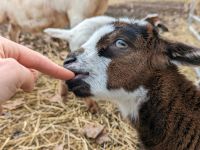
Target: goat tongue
81	75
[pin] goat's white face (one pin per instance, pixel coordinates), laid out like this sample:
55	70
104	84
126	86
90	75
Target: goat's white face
91	62
119	59
88	61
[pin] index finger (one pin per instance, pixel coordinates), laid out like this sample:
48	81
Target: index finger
34	60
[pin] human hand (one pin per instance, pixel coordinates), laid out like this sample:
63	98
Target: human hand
18	66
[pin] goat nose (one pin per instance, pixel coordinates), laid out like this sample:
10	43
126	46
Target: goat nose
69	60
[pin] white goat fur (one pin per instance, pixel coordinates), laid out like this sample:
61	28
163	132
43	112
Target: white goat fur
81	32
35	15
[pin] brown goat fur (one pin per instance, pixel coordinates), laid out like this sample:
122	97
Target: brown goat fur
170	118
130	64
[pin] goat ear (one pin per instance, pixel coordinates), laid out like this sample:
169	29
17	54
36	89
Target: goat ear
180	53
155	21
58	33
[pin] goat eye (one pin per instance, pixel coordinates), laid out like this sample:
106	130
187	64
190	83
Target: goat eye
121	44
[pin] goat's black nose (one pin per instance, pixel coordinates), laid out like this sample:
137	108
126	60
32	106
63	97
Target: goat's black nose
69	60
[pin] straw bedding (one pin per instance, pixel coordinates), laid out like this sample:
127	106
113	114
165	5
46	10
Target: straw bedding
42	120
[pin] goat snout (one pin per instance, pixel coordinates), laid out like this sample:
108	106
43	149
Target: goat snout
71	63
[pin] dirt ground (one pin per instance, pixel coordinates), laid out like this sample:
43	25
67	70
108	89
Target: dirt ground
38	120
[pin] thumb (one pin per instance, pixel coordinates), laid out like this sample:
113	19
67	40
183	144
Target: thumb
13	76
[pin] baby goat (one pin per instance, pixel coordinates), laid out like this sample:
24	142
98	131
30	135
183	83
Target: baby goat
35	15
128	63
82	32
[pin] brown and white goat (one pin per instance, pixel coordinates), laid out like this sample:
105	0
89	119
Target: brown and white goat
36	15
82	32
128	63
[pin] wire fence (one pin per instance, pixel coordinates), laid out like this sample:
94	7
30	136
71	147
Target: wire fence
194	18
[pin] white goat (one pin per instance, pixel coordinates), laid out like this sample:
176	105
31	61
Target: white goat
36	15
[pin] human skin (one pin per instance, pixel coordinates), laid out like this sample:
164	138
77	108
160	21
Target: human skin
19	68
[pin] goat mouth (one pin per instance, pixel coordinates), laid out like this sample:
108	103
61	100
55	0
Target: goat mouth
78	86
80	75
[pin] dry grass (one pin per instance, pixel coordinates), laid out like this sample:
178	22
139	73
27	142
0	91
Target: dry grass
41	123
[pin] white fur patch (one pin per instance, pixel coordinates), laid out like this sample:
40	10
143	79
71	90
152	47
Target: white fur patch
129	102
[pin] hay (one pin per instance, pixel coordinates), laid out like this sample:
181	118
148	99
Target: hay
39	122
42	124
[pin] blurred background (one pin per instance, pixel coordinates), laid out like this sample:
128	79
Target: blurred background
41	120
